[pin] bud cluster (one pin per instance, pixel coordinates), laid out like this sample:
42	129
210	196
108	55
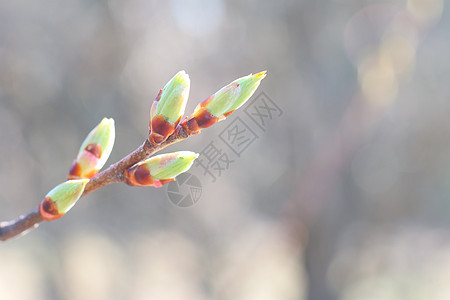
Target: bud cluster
165	115
91	157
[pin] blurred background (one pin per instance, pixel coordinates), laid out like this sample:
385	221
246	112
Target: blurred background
340	188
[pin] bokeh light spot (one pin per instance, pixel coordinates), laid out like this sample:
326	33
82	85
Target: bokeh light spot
198	18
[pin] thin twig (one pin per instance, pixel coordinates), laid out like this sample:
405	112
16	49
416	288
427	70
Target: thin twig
113	174
20	225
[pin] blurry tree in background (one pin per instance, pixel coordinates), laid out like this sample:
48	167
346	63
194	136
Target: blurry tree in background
342	193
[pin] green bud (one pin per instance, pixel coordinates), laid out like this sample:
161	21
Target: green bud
248	85
94	151
223	99
223	103
234	95
172	99
170	165
61	198
159	169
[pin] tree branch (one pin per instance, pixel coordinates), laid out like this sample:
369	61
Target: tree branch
113	174
166	113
